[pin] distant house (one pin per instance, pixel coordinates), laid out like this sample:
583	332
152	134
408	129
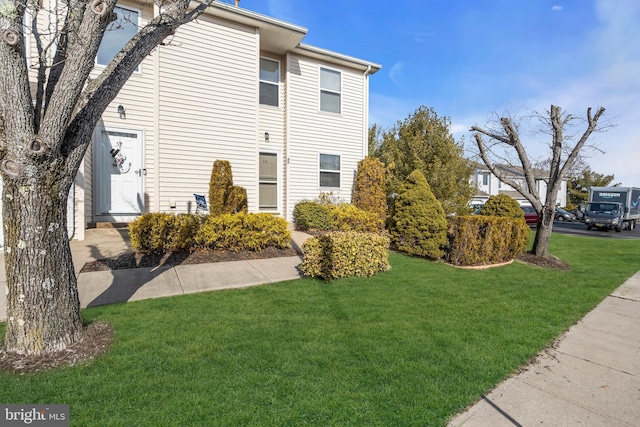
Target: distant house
235	85
488	184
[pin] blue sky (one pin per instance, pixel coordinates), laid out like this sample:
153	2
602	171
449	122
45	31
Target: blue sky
469	59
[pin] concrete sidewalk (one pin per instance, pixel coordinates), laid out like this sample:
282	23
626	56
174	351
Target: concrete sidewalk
591	377
108	287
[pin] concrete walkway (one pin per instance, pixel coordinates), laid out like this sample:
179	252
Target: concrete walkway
591	377
108	287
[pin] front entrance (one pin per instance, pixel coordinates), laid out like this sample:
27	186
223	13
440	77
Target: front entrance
117	177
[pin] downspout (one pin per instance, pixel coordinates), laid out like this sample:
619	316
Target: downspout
365	111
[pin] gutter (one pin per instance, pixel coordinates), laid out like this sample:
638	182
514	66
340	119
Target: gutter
365	111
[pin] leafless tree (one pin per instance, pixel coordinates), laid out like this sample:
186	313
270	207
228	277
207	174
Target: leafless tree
46	122
565	149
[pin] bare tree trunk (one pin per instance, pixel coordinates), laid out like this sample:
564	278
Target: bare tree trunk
543	233
43	308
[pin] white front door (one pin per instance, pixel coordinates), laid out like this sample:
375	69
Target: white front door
118	172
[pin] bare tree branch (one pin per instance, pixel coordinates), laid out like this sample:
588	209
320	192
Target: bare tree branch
558	168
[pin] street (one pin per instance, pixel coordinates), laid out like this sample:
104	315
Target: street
578	228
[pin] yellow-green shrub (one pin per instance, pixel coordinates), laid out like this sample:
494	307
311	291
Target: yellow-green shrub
219	186
242	231
344	254
347	217
485	240
163	232
236	200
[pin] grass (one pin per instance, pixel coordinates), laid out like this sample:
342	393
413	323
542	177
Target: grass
411	346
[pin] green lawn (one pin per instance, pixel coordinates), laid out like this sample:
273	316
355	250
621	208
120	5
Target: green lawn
411	346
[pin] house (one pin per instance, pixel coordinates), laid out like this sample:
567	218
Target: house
292	119
488	184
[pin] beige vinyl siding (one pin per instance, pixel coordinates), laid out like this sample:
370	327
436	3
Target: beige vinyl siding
84	191
207	110
311	131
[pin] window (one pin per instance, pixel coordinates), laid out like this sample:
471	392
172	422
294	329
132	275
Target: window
269	82
329	171
330	90
485	178
268	182
118	33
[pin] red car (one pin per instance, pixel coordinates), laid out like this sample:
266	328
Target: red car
530	214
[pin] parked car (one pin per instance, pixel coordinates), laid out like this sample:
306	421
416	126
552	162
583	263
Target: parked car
564	215
530	214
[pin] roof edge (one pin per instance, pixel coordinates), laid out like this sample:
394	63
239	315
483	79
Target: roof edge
321	53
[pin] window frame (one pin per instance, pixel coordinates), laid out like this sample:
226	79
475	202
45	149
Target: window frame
260	81
331	171
139	26
329	91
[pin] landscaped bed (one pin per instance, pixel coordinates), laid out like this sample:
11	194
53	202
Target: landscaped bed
410	346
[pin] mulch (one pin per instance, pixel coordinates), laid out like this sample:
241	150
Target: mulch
96	340
544	262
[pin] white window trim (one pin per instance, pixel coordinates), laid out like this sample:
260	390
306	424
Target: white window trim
330	171
278	182
320	89
139	24
272	83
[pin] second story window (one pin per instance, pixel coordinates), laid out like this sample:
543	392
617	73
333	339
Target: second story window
269	82
118	33
485	178
330	90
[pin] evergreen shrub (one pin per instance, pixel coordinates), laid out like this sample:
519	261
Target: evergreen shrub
236	200
347	217
238	232
369	187
310	215
418	225
344	254
163	232
219	186
485	240
502	205
224	197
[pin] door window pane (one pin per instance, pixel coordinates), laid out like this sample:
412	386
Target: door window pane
268	181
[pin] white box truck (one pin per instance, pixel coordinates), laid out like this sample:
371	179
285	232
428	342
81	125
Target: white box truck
616	208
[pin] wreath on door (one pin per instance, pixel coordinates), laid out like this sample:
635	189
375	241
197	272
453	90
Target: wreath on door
120	159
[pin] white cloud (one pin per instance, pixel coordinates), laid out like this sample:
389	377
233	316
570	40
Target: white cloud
556	8
395	73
